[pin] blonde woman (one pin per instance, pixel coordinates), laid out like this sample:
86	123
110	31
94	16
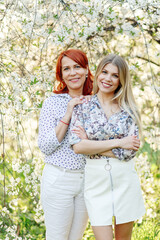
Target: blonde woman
112	187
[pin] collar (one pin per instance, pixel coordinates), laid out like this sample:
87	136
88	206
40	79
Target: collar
63	95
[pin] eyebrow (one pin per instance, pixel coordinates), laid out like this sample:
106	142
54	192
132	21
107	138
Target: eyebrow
107	71
69	66
65	66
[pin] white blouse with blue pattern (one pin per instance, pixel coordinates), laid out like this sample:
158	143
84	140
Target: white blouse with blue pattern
59	154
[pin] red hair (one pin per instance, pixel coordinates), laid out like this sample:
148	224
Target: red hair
79	57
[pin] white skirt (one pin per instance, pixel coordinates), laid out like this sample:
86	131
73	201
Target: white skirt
112	188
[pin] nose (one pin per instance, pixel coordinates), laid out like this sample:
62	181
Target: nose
72	71
108	77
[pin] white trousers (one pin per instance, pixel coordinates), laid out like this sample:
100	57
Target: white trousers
63	203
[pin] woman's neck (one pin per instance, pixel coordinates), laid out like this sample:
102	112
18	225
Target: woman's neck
75	93
107	103
105	98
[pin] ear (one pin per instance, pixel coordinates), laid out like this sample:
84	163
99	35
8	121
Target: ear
87	70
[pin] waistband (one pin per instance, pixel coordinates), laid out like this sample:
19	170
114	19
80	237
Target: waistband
113	161
66	169
101	159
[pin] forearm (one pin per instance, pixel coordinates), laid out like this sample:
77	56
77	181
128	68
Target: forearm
131	133
62	127
108	154
91	147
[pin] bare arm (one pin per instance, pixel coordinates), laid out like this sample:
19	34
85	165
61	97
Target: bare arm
108	154
86	146
130	129
91	147
61	128
50	136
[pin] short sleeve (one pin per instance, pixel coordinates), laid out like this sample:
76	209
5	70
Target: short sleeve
130	129
47	140
76	120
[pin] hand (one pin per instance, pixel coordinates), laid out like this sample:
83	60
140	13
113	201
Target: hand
85	98
130	142
108	154
80	132
71	104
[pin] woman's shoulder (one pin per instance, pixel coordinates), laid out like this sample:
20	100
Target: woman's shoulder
57	98
86	106
86	103
94	98
127	114
91	102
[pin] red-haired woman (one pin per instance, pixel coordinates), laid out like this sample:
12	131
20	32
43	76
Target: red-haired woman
63	174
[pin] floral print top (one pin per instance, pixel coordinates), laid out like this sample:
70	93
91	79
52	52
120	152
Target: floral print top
98	127
56	153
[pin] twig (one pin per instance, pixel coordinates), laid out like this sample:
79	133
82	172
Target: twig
145	41
3	157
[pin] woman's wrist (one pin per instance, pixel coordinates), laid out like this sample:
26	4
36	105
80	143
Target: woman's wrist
64	122
66	119
117	143
120	143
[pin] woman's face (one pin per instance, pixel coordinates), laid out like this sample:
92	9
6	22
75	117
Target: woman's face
73	75
108	79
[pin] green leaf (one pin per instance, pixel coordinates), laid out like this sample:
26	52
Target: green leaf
34	81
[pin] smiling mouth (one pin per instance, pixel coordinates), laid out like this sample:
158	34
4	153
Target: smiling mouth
74	80
106	85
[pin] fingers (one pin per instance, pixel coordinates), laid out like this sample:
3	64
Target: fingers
131	142
80	135
85	98
81	128
75	101
135	148
133	139
80	100
80	132
81	97
77	133
136	143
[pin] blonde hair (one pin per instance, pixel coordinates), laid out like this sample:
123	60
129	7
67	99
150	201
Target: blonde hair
123	94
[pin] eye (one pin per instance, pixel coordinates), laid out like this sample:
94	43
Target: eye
115	75
104	71
77	66
65	69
